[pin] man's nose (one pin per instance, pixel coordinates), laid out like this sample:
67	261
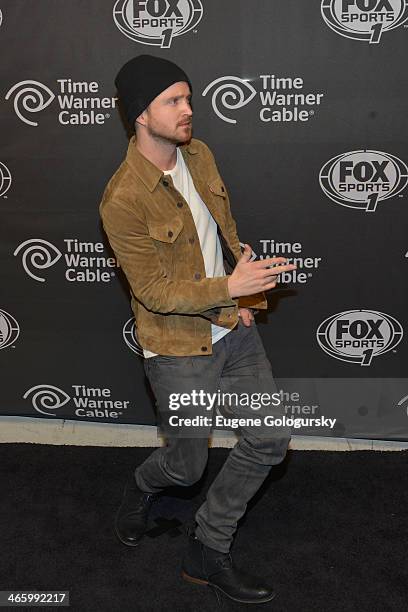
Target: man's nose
187	108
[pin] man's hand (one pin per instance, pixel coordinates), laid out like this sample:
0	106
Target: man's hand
251	277
247	316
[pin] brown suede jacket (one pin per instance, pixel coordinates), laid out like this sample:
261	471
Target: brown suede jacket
153	235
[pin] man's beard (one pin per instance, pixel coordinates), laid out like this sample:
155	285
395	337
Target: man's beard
166	139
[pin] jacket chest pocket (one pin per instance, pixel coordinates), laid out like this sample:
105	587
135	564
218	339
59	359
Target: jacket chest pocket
165	233
218	201
164	236
217	188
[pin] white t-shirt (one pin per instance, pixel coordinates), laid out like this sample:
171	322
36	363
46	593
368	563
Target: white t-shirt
206	230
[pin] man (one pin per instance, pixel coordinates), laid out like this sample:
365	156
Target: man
167	215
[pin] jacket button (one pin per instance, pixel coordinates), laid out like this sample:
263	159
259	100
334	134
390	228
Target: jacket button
204	348
197	276
180	204
191	240
165	183
170	233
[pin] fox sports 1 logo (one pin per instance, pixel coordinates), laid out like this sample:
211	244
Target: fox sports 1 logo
357	336
362	179
156	22
364	19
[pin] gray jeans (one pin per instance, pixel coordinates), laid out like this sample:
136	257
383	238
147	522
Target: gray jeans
238	365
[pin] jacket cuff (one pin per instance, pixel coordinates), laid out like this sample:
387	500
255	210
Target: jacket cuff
257	301
222	296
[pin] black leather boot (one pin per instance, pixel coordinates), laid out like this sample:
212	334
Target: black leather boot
131	518
204	565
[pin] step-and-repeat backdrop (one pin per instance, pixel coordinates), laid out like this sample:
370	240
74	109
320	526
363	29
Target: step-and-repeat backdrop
305	107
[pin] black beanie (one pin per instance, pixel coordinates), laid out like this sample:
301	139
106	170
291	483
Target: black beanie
142	79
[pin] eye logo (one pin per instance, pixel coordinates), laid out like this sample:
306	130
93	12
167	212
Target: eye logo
364	19
5	179
39	254
46	398
362	179
130	337
31	98
357	336
9	329
230	94
156	22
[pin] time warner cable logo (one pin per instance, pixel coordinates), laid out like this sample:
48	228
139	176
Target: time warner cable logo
364	19
357	336
156	22
280	99
46	398
84	261
39	254
230	92
362	179
90	402
78	101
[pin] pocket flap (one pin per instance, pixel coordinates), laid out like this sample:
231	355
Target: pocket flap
166	232
217	188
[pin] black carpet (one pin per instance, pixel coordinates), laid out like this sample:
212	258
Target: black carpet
329	527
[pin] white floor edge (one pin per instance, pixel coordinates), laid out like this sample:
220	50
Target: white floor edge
85	433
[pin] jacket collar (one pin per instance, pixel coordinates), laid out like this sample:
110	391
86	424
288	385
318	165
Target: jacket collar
145	169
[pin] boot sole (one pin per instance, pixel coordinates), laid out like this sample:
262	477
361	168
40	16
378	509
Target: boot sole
125	542
205	582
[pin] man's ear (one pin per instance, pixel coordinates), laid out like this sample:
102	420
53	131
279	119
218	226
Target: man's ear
141	119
